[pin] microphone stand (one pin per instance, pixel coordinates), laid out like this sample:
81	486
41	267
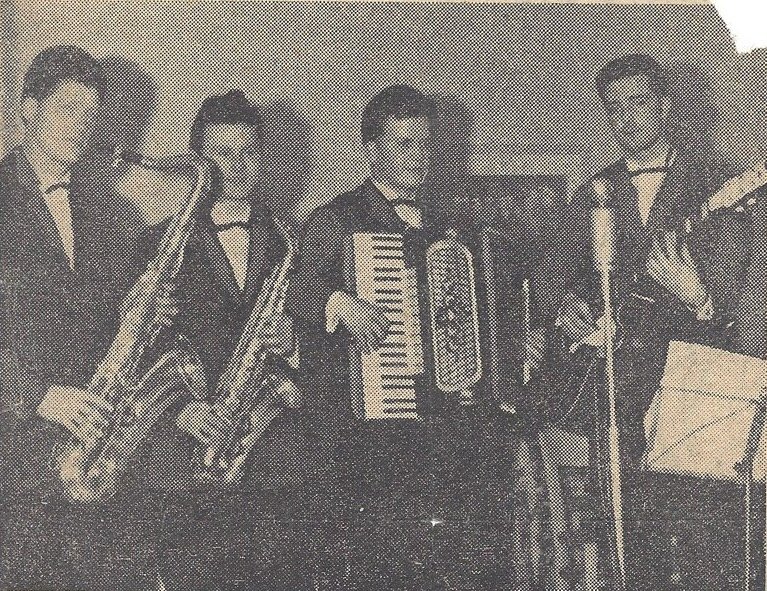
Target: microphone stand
604	254
613	438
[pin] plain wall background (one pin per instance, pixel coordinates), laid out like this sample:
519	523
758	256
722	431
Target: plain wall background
519	76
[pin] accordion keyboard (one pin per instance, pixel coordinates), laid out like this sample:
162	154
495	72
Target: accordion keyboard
388	375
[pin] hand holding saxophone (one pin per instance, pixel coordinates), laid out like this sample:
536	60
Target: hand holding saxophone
200	420
82	413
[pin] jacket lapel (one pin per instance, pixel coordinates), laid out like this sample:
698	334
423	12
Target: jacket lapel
40	211
671	207
378	208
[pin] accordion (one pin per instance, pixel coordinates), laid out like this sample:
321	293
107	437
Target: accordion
434	338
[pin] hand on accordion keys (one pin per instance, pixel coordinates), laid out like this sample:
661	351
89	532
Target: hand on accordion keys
366	322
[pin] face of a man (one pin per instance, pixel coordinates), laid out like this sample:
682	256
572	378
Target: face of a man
236	151
400	158
638	116
62	124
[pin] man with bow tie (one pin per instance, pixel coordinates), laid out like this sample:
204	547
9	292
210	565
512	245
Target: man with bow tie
238	538
397	484
65	265
668	285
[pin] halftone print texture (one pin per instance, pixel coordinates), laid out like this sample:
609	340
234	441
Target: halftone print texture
227	452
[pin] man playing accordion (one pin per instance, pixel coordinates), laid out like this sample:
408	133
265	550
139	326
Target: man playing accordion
407	464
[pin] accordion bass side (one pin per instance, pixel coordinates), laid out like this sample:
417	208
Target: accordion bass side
434	339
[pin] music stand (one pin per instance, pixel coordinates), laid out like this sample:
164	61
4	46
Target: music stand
745	468
696	423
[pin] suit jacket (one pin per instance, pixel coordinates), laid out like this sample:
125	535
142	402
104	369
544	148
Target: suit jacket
718	246
381	457
58	322
752	309
213	311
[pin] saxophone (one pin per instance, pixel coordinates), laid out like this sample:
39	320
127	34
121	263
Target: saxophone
255	387
89	470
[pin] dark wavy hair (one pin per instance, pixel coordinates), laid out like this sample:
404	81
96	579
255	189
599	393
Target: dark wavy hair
632	65
58	64
400	102
231	108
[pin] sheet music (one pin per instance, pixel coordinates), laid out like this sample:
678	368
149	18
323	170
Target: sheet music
698	422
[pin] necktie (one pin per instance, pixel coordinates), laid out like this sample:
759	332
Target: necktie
408	211
231	221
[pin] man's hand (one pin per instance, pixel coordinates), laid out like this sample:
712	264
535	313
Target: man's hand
200	420
575	318
366	322
83	414
671	265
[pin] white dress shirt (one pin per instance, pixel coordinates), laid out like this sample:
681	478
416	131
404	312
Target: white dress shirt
56	196
235	241
647	178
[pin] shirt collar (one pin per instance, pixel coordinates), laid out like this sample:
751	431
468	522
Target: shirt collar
658	164
226	211
29	177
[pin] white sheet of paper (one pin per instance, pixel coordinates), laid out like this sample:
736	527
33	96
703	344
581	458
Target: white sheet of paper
699	420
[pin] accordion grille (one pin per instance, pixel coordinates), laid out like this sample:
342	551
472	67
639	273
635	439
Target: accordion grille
454	316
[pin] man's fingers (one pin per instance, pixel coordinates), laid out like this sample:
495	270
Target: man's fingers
686	257
202	435
216	424
83	429
97	402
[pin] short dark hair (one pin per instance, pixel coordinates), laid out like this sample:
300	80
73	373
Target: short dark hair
399	101
232	108
632	65
58	64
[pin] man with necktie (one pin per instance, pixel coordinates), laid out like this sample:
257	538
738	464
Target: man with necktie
403	488
668	285
239	537
65	265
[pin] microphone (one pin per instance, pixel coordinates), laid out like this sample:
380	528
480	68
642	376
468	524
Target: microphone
602	225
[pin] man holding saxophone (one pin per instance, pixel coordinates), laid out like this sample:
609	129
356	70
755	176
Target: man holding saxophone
65	267
229	262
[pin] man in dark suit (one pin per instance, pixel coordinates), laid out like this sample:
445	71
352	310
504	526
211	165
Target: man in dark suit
402	487
667	286
239	537
65	267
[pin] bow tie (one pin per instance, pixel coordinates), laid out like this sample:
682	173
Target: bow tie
659	170
229	225
410	202
56	187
